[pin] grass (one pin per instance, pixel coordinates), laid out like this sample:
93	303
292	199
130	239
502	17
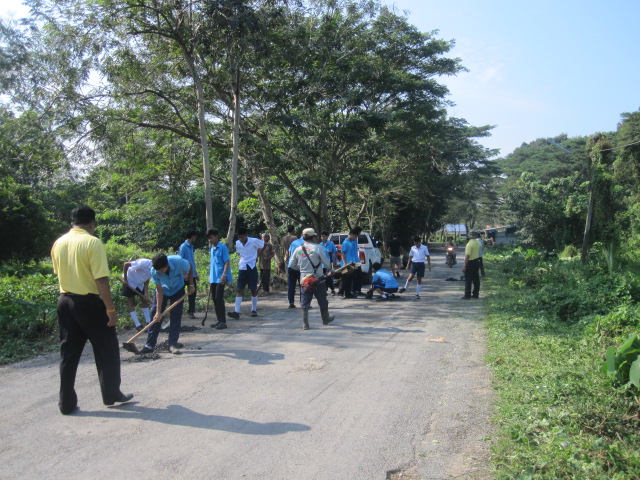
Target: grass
559	417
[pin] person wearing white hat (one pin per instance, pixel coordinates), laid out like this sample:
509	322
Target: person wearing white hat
310	258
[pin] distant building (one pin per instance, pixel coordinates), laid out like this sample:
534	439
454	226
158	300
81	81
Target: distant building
455	230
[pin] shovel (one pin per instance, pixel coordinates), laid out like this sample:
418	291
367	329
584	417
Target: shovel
129	346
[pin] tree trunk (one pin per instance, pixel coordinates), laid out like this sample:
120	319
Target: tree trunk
233	210
267	215
203	137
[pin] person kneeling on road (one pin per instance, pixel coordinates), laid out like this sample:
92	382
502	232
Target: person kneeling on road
383	283
310	258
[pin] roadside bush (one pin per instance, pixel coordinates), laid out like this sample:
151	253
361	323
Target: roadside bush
550	322
27	314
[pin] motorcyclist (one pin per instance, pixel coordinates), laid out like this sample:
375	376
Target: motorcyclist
450	248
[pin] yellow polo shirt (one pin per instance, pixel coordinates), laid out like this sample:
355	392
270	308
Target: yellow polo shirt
473	249
78	259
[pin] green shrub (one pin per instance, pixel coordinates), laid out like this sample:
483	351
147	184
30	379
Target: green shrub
622	364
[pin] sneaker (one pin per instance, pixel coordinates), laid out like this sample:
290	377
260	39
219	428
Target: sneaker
333	293
402	290
382	298
175	350
139	328
146	349
235	315
292	305
417	297
179	345
254	313
220	325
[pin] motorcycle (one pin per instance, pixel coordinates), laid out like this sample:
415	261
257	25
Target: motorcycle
451	256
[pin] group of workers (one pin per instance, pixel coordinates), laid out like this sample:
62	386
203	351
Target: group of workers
86	310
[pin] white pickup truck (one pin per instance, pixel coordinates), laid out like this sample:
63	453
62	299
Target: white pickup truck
367	249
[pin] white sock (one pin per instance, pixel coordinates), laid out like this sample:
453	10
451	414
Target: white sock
134	316
418	289
406	284
238	302
147	314
254	304
384	295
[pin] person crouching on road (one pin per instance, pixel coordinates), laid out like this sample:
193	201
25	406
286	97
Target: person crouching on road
383	283
310	258
136	278
168	273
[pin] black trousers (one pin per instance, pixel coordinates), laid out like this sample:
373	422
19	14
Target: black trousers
472	278
265	278
217	293
192	297
293	280
82	318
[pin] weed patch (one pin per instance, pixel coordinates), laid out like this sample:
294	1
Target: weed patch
550	321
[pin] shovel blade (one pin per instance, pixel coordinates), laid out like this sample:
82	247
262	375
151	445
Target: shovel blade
131	347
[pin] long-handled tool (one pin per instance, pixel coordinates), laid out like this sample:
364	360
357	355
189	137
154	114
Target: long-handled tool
206	310
135	290
129	346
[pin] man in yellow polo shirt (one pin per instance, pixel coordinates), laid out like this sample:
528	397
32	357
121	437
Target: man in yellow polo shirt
471	267
85	310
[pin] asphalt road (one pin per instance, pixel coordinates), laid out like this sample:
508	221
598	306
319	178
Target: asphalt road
390	390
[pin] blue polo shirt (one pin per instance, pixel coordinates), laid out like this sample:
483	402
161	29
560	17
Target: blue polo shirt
219	256
350	251
187	251
292	248
330	248
173	280
384	279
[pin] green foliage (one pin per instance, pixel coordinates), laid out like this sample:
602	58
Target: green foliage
558	415
26	230
27	313
622	363
117	254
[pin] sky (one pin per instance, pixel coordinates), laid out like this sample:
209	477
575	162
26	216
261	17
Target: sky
535	69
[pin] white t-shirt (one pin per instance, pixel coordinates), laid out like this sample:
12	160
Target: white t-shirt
248	252
419	254
138	273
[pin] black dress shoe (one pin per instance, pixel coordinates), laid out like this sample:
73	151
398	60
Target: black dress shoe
220	325
68	411
146	349
124	397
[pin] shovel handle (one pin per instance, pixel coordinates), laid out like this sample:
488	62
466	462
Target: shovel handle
156	320
135	290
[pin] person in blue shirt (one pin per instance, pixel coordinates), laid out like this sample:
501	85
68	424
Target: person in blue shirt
293	275
187	251
219	275
350	285
168	273
332	251
383	283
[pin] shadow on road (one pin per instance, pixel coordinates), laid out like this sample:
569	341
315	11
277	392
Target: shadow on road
181	416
